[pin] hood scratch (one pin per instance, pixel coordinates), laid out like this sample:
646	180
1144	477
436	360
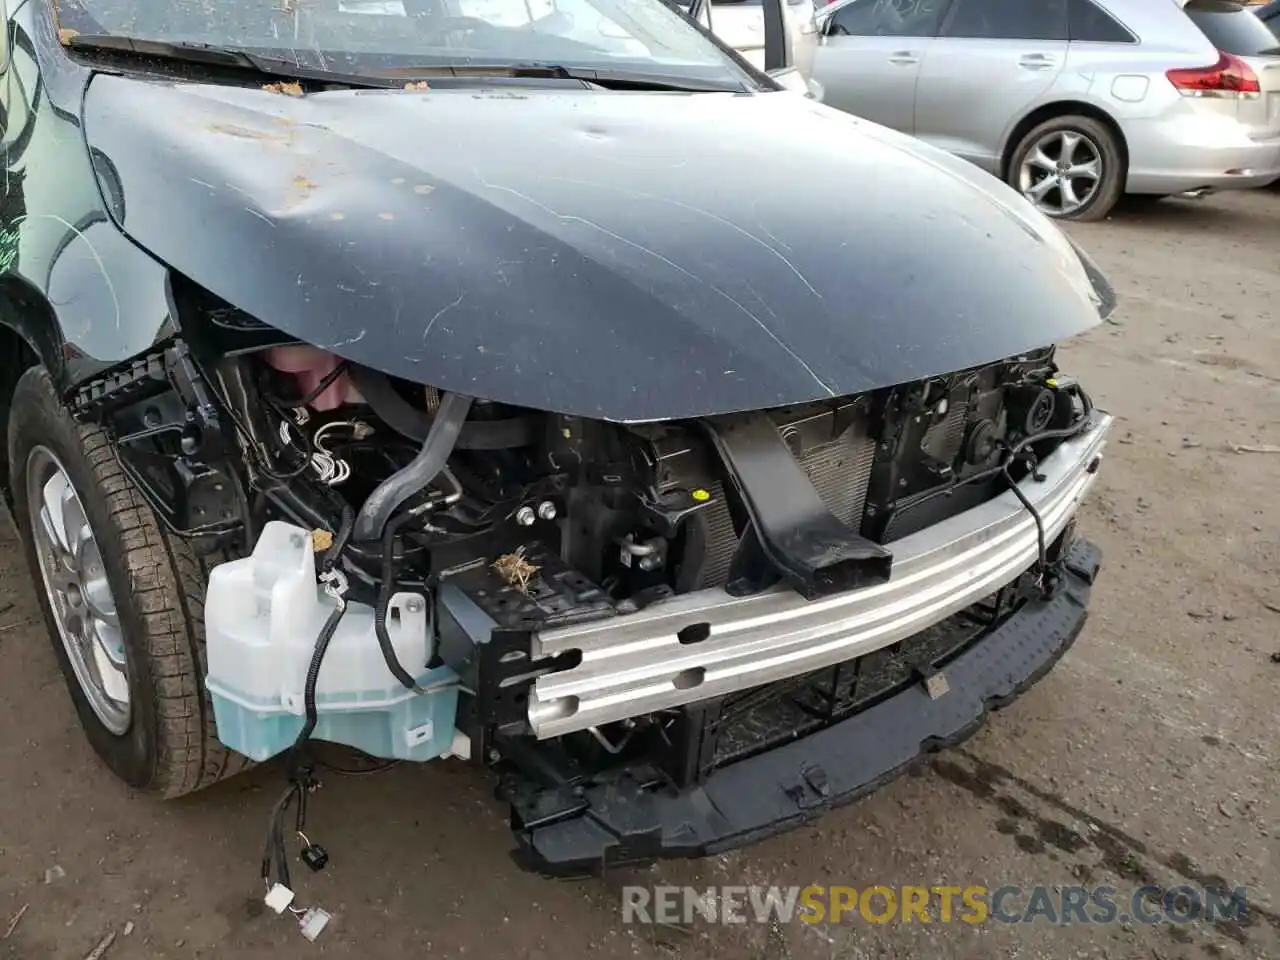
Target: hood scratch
703	213
441	312
570	218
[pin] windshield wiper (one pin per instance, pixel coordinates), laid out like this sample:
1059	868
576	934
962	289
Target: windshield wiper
646	80
215	56
206	54
605	77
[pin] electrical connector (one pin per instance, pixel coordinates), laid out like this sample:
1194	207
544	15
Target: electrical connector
279	897
312	922
315	856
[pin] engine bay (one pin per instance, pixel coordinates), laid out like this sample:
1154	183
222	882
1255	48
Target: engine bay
435	541
543	519
643	511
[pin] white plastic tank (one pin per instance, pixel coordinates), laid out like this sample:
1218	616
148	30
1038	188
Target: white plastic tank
263	614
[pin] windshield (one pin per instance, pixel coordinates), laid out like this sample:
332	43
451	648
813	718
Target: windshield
351	35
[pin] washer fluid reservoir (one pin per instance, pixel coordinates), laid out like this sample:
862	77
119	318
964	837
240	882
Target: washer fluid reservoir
263	614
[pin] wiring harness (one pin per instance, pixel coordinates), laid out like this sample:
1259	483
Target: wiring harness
300	764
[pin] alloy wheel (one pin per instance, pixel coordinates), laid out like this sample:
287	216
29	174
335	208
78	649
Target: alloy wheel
1061	173
75	582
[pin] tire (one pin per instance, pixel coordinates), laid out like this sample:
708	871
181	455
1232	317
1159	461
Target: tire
1095	137
156	585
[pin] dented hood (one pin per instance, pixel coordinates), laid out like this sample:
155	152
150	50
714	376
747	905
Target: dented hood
630	256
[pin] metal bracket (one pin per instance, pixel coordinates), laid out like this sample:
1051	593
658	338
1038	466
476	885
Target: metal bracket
811	548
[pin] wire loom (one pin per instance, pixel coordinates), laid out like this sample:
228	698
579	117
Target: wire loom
1021	451
300	764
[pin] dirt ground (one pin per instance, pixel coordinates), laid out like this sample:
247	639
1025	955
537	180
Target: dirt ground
1151	754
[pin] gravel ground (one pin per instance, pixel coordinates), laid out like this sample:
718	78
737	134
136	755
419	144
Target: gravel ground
1149	755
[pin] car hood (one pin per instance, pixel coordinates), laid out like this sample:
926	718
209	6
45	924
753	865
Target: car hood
628	256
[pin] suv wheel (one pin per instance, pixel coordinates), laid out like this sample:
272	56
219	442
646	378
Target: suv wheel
123	599
1070	168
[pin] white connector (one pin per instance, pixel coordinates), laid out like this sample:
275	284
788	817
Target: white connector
312	922
279	897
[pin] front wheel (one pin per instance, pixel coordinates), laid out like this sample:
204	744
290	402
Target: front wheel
123	599
1070	167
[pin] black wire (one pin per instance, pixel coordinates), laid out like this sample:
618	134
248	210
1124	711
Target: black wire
304	449
384	599
309	690
1042	553
322	643
275	858
362	763
1011	454
1042	559
261	455
340	538
378	766
280	405
246	512
328	380
275	854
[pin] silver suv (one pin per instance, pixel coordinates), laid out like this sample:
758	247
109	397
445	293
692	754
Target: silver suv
1073	102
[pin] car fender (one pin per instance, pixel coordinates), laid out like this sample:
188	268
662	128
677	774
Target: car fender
79	292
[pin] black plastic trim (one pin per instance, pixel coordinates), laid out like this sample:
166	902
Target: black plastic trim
791	530
623	824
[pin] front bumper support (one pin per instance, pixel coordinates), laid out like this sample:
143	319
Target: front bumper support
707	644
622	824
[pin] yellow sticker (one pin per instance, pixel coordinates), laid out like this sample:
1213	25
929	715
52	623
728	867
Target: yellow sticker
702	496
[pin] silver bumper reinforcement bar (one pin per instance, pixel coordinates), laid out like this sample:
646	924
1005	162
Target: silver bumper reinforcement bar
708	644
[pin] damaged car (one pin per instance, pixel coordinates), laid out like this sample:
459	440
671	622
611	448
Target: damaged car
683	454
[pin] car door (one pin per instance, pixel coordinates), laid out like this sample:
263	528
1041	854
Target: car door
869	56
992	61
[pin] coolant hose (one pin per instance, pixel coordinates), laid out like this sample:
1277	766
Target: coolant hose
414	478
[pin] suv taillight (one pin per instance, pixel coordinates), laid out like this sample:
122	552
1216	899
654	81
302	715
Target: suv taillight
1230	76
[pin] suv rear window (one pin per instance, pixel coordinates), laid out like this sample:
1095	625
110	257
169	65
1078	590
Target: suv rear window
1090	23
1232	28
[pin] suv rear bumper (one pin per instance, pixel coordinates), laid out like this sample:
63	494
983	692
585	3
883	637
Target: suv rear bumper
1198	150
621	823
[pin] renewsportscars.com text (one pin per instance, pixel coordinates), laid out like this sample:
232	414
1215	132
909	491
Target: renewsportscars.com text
972	904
